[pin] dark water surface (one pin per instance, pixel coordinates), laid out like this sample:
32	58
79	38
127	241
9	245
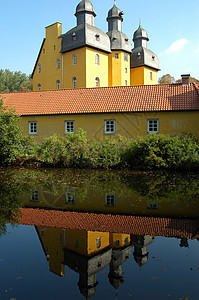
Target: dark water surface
71	234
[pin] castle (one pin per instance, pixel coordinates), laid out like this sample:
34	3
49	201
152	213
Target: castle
86	57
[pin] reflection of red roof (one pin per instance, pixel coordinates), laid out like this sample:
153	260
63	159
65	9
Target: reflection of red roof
167	227
166	97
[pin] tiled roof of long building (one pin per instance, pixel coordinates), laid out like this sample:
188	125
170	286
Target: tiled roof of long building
168	97
156	226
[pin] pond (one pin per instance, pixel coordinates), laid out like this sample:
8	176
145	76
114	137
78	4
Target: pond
76	234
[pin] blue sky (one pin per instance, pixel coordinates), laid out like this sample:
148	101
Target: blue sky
172	27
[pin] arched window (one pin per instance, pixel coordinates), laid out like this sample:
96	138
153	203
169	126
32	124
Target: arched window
74	59
125	82
97	59
58	63
74	82
116	55
97	82
58	84
39	68
39	86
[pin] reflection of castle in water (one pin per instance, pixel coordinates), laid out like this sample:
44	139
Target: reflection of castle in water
88	252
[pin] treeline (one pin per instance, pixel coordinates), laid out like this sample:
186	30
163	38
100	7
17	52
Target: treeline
168	79
14	81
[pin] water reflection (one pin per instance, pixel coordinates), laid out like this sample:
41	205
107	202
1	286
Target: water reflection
91	221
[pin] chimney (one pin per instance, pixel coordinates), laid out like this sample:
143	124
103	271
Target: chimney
185	79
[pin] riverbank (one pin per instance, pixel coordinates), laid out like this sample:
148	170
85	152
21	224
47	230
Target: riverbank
152	152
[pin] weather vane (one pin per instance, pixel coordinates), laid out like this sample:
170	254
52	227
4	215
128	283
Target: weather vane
114	2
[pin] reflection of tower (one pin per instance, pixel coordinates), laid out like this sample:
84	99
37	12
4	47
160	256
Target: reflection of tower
184	242
87	267
120	254
140	243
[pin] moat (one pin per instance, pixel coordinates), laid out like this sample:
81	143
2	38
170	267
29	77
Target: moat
77	234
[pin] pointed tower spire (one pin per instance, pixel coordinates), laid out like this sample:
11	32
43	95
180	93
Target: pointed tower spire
140	23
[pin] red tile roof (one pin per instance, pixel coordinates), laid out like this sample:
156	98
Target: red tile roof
168	97
156	226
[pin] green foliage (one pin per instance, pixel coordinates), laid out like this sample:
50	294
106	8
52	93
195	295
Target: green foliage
14	81
12	142
166	79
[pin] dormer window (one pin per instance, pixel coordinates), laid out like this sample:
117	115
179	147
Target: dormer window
39	68
153	57
74	59
114	38
126	41
139	54
74	37
97	37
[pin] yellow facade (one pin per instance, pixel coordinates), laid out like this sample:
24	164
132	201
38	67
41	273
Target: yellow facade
143	76
49	54
126	124
119	69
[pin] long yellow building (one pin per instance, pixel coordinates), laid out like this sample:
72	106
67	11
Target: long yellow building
86	57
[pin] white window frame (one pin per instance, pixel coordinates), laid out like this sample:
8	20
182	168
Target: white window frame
97	59
74	79
69	124
34	195
39	68
110	200
58	83
153	126
97	82
32	127
98	242
74	59
109	126
58	61
70	198
126	58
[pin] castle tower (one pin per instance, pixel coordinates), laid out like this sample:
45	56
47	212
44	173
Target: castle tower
85	13
144	63
119	58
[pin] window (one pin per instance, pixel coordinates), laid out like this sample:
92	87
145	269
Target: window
76	243
60	238
109	126
116	56
70	198
98	242
74	82
152	126
126	57
39	86
152	205
110	200
97	59
126	70
34	195
39	68
151	76
74	37
74	59
125	83
126	240
32	127
44	51
97	82
58	84
54	47
97	37
58	63
69	127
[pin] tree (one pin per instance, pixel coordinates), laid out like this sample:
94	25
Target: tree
191	80
166	79
14	81
11	138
